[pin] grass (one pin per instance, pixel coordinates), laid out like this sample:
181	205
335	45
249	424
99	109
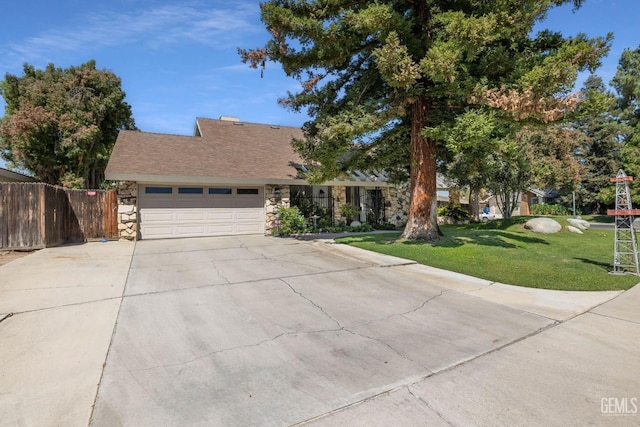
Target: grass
503	251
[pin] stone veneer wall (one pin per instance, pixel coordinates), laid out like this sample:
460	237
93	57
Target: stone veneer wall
273	201
397	201
339	194
128	210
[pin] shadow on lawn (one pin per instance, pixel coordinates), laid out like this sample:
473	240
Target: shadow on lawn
494	238
605	266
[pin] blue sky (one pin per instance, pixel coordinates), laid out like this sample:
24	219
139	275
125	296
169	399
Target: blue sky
178	59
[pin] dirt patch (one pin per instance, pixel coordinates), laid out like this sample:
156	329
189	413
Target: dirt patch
8	256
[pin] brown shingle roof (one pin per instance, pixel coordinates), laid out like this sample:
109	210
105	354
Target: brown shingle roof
225	149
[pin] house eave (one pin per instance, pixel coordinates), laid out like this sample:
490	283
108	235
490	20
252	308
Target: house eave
15	176
215	180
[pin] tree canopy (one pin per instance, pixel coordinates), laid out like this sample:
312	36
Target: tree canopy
375	75
61	124
626	82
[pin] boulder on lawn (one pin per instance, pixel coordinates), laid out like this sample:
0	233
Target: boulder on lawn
543	225
579	223
573	229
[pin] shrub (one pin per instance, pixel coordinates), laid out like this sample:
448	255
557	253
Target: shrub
291	221
458	213
548	209
364	228
349	211
384	226
324	223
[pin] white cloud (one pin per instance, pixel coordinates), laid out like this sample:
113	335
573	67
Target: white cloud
172	24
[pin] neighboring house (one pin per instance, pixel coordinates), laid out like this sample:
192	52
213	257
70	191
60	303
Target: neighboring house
528	198
535	196
10	176
230	178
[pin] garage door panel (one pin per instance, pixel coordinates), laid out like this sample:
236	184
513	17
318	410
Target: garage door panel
188	230
249	215
158	232
247	228
157	215
191	215
220	229
220	215
206	214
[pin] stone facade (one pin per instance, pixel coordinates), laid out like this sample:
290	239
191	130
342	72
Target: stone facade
276	197
127	210
339	194
397	201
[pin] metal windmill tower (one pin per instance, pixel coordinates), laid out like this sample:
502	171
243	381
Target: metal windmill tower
625	255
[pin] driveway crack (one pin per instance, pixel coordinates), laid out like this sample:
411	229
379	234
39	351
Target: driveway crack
215	266
386	344
424	402
379	340
413	310
319	307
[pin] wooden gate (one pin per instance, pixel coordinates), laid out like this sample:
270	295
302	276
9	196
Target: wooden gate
37	215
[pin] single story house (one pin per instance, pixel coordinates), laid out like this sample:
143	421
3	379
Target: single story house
230	178
526	199
10	176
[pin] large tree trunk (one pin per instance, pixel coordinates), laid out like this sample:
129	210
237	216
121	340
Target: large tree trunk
423	211
474	202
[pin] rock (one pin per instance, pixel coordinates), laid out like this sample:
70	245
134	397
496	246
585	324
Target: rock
579	223
573	229
543	225
355	224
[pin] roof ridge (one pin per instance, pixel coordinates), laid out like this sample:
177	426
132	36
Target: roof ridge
250	123
157	133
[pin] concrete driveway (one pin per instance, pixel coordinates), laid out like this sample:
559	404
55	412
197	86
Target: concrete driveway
268	331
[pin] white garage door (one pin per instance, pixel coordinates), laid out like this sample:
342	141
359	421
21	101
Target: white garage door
190	211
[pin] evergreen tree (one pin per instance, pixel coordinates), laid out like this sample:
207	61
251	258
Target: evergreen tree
373	72
627	85
600	151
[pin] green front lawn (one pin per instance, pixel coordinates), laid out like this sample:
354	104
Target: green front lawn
503	251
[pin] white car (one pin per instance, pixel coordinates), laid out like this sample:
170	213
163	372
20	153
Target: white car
488	216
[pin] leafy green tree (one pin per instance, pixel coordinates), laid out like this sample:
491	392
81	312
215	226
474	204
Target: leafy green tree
368	69
469	140
61	124
626	82
510	174
552	154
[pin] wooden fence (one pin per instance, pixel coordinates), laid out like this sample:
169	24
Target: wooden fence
36	215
